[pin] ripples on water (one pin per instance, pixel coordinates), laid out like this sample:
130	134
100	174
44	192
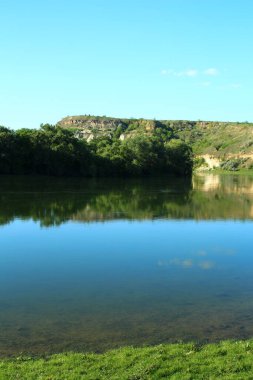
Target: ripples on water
91	265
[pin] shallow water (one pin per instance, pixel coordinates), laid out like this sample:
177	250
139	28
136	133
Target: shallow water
92	265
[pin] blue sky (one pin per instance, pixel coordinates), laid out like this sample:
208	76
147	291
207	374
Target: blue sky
163	59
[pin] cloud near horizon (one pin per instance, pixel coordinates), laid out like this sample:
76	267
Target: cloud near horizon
211	71
206	84
230	86
184	73
187	73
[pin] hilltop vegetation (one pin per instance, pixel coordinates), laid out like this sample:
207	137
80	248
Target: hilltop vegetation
217	138
230	143
52	150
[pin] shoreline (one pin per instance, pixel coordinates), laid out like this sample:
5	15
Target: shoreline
221	171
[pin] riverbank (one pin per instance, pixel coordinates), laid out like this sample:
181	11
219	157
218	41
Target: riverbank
225	360
248	172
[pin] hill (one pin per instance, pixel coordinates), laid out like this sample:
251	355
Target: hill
228	145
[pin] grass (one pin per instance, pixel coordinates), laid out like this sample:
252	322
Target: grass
225	360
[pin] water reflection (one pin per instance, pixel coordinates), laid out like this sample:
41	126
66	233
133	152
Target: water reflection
187	263
225	183
166	260
55	201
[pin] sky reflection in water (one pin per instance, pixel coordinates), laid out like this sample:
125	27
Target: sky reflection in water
95	265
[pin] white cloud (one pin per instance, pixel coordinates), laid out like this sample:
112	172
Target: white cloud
185	73
231	86
205	84
211	72
191	73
235	85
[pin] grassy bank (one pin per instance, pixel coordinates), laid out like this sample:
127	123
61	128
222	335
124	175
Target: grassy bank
225	360
248	172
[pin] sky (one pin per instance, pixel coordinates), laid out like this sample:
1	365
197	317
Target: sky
157	59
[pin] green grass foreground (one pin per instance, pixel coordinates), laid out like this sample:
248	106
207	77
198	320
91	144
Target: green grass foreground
225	360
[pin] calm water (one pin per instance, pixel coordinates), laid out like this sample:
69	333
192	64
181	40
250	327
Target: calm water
92	265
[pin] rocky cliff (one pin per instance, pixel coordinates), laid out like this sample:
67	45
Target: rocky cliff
90	127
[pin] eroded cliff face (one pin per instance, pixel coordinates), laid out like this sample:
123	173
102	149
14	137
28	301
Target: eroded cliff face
90	127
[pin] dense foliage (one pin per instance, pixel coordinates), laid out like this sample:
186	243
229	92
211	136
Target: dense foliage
52	150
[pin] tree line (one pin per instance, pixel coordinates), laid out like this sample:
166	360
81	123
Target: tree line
52	150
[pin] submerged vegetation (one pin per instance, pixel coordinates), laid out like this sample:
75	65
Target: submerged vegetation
52	150
225	360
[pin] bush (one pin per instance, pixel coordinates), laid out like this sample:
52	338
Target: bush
232	164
